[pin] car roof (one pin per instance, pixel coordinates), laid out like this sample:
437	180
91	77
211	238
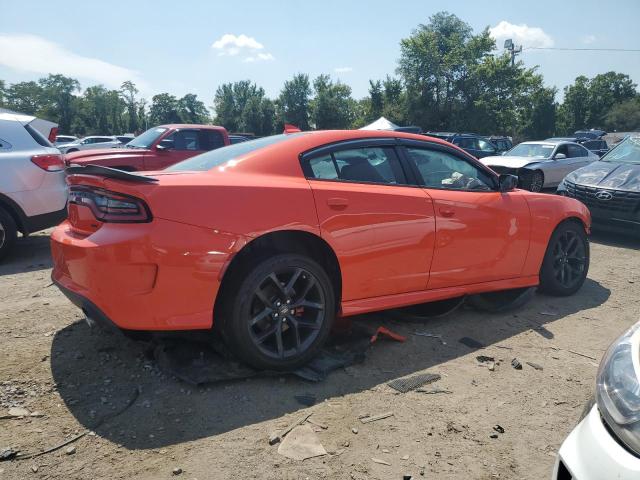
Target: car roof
191	125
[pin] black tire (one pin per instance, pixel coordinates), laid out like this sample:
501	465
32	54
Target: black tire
566	261
502	301
533	181
8	233
262	328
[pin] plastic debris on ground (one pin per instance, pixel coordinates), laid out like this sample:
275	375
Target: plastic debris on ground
301	443
406	384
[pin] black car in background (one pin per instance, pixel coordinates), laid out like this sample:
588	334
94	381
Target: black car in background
598	146
610	187
592	134
503	144
477	145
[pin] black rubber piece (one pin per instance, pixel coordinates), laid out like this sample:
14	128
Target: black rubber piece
502	301
427	311
10	233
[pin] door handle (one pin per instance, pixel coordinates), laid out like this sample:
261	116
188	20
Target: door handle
337	202
447	212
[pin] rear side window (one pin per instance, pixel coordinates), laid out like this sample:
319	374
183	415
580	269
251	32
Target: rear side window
211	139
465	143
37	136
365	165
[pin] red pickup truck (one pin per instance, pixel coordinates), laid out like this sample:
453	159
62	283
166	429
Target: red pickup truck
155	149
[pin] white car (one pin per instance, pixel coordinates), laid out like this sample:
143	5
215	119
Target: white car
606	442
33	192
64	140
88	143
542	164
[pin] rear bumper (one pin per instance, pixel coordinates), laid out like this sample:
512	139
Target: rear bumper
161	275
40	222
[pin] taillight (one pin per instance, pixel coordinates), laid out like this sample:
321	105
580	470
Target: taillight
49	162
110	207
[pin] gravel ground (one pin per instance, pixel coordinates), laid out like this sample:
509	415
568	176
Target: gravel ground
76	379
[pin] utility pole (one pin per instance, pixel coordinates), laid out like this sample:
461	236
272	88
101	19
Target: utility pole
512	49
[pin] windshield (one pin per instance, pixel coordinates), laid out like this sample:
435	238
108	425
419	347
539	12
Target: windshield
627	151
531	150
146	139
211	159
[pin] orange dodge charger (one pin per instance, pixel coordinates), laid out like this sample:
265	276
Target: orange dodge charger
267	241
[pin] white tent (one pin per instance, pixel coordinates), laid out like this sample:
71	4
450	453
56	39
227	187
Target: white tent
380	124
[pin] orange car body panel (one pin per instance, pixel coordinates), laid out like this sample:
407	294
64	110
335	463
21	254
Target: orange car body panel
396	245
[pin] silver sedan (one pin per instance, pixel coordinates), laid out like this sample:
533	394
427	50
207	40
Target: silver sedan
541	164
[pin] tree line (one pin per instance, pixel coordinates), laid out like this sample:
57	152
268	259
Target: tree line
448	78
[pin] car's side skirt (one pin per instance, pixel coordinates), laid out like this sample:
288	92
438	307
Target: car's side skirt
356	307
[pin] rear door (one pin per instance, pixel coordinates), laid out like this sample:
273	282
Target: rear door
481	234
381	228
578	157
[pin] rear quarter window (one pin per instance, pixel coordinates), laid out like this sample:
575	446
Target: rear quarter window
37	136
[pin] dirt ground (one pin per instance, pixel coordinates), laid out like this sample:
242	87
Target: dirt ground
75	378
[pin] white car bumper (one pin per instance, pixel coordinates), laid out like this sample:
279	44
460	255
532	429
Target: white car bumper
591	453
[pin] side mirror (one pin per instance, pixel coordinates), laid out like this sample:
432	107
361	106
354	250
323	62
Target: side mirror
166	144
507	182
559	156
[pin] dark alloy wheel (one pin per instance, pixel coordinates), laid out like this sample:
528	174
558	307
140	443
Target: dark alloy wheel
566	260
534	181
282	313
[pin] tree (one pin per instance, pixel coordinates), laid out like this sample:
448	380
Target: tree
293	102
376	95
24	97
243	106
192	110
624	116
164	109
395	101
435	64
332	106
58	100
2	93
99	112
606	90
128	92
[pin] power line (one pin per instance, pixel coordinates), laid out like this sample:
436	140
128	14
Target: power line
586	49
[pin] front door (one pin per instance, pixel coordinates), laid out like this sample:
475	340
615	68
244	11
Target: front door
481	234
175	147
381	229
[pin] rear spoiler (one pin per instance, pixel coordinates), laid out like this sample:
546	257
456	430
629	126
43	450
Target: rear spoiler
109	173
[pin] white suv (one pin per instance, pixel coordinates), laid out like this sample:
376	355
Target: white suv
33	192
89	143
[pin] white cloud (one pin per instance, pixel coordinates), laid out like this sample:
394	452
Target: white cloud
521	34
31	53
258	57
233	45
588	39
343	69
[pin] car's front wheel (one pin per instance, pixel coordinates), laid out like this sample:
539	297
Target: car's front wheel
8	233
280	314
533	181
566	261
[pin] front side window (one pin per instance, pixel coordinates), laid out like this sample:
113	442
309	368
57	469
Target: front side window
443	170
365	165
576	151
185	140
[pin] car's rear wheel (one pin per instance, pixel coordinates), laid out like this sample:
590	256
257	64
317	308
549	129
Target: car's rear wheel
533	181
8	233
281	314
566	261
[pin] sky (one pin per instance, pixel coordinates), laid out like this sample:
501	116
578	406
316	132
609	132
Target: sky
193	46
